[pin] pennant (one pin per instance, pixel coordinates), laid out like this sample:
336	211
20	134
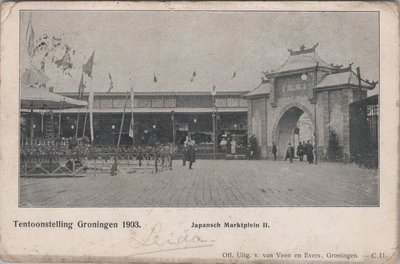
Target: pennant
88	66
155	78
131	127
30	38
111	83
81	90
234	75
193	76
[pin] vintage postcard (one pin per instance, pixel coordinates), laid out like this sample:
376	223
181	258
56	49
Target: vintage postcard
226	132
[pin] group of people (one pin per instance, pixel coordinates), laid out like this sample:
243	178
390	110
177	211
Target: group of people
227	145
306	149
166	153
188	153
303	149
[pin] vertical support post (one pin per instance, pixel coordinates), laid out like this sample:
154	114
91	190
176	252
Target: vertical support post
214	108
59	122
84	123
77	125
42	125
315	100
316	133
119	136
214	136
173	126
31	131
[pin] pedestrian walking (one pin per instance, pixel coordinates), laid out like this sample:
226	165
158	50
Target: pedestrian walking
274	150
309	152
191	154
171	153
300	151
139	157
184	153
290	153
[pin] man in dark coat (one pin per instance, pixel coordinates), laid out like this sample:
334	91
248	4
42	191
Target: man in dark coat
309	152
191	154
290	153
274	150
300	151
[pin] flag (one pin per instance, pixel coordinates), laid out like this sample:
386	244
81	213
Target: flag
155	78
88	66
65	62
193	76
81	89
132	124
111	83
234	75
33	77
30	38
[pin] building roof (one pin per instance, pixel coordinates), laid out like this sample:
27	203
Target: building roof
343	78
302	59
263	89
151	110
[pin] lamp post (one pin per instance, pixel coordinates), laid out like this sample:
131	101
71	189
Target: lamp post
213	94
173	126
112	134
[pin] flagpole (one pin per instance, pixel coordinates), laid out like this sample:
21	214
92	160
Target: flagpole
87	68
132	124
122	122
77	124
59	121
84	122
91	102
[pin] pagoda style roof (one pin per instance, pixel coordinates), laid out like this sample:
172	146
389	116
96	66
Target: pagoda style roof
263	89
302	59
344	78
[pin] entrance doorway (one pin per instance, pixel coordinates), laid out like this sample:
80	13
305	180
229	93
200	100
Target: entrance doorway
294	126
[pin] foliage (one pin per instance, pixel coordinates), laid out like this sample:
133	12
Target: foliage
54	50
334	149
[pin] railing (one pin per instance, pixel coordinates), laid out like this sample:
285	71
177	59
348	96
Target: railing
77	164
209	150
44	142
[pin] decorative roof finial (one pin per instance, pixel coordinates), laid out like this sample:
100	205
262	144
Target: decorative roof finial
350	65
303	50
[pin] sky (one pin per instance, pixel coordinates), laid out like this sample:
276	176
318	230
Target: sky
134	45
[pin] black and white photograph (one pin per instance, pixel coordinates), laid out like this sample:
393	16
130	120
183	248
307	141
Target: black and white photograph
198	108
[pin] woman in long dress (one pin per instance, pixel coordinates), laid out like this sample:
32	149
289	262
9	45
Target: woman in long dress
233	146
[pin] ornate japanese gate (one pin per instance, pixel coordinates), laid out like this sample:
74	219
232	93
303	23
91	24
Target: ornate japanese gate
305	85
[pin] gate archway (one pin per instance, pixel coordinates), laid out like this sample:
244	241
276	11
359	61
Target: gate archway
286	125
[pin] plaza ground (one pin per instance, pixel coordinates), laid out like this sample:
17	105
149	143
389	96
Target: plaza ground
219	183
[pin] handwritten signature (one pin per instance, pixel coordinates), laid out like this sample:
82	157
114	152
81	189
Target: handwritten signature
157	239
